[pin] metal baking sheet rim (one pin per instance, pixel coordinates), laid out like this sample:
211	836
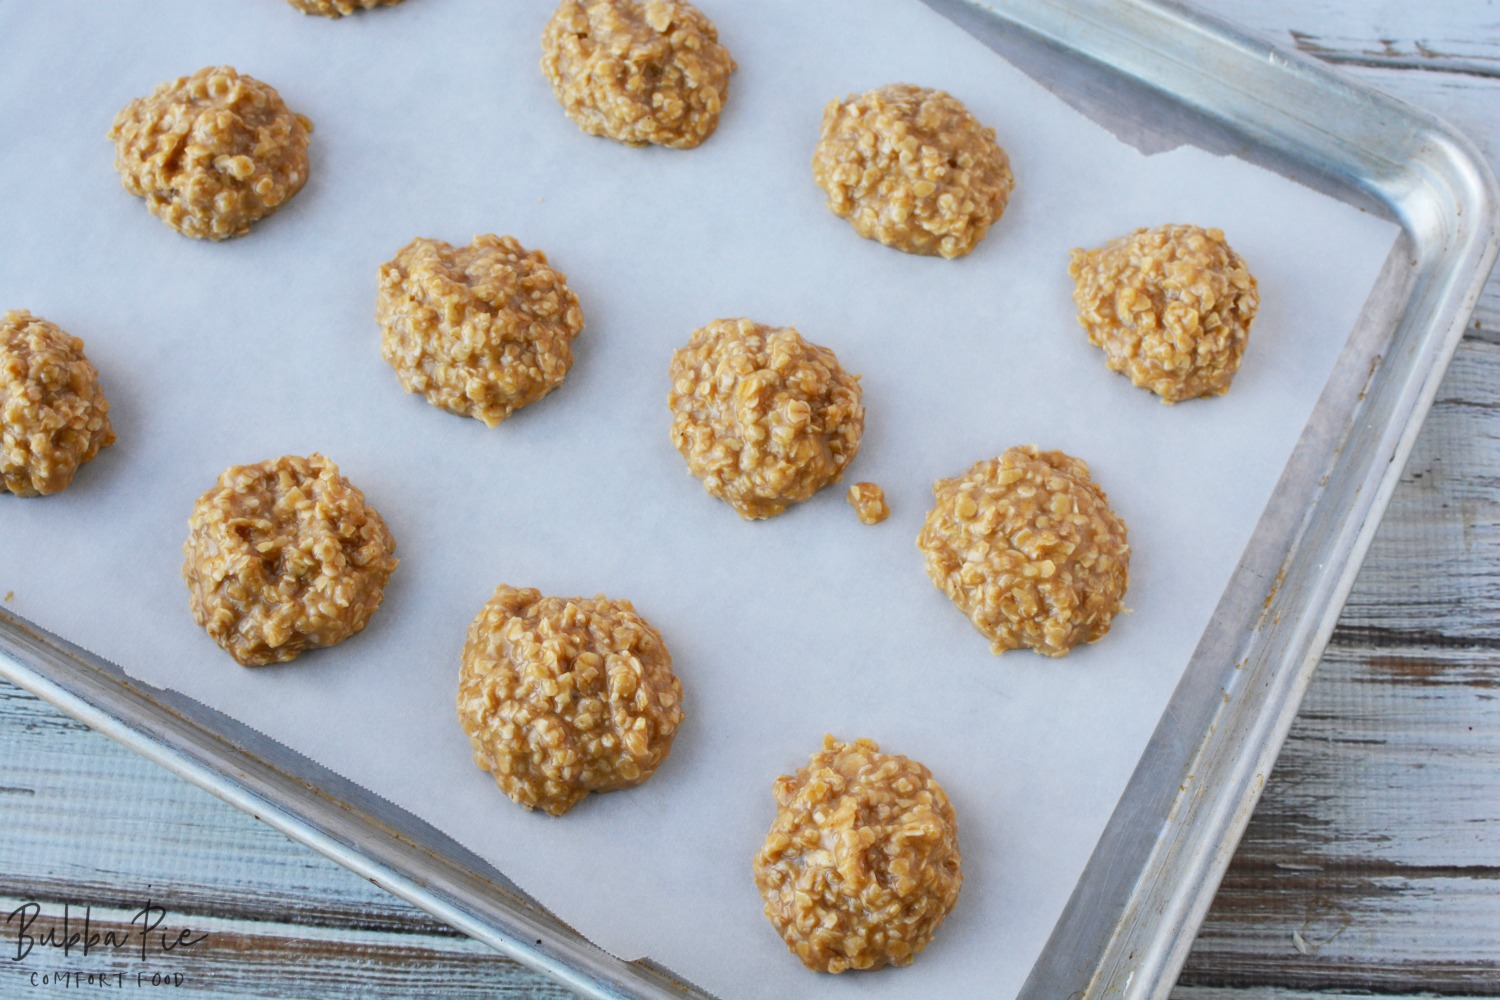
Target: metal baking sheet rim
1128	927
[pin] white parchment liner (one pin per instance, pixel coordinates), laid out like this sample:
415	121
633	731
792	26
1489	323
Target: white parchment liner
432	118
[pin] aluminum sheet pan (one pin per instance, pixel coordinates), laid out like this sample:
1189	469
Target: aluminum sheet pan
1302	559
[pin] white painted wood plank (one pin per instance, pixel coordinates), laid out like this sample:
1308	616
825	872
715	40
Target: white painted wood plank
87	822
1433	572
1394	765
1335	931
80	811
1377	833
1440	55
1444	34
1467	102
1460	36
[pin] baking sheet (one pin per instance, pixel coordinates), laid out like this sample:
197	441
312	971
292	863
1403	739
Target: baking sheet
432	119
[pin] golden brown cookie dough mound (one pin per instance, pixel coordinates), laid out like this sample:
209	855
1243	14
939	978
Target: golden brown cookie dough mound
480	330
1171	307
1027	546
868	501
638	71
861	864
284	556
338	8
763	417
53	417
211	153
912	168
565	696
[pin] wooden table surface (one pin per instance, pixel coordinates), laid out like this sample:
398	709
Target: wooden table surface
1371	867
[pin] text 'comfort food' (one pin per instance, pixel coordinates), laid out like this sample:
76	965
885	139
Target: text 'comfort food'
53	416
1170	307
284	556
862	862
638	71
480	330
912	168
763	417
561	697
338	8
211	153
1027	546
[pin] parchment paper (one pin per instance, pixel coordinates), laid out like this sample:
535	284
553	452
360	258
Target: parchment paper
432	118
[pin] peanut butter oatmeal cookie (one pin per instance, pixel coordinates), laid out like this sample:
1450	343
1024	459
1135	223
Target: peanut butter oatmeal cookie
868	501
283	557
912	168
763	417
480	330
638	71
862	862
338	8
1027	546
1171	308
53	416
565	696
211	153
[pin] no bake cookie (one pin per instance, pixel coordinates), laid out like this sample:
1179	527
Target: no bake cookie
638	71
561	697
911	167
480	330
53	415
1027	546
1170	307
284	556
212	153
763	417
862	863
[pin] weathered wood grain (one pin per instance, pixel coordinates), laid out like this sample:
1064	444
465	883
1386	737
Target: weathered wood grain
1332	931
1443	56
1373	861
1432	577
87	820
1372	865
1451	36
1371	868
1403	752
89	823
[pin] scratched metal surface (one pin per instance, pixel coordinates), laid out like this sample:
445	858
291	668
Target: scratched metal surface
1370	866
